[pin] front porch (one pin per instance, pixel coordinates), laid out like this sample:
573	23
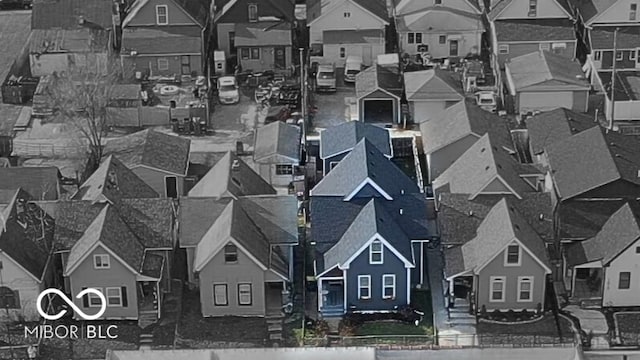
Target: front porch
585	284
277	299
331	297
149	300
461	294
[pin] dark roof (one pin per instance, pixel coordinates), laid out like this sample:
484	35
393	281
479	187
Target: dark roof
277	143
618	233
368	36
500	5
15	28
371	220
197	9
627	84
158	40
8	117
377	7
74	41
590	159
556	125
113	181
66	14
152	265
590	8
344	137
235	11
434	84
403	7
263	33
628	37
193	225
231	176
580	220
364	162
550	69
378	77
275	215
535	30
458	121
153	149
41	183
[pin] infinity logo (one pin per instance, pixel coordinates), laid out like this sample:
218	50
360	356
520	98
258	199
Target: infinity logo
103	304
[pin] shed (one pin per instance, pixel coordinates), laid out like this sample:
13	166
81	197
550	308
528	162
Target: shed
378	94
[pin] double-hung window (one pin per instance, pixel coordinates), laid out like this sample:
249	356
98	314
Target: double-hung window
220	296
244	294
114	296
376	252
94	300
162	15
388	286
101	261
525	288
230	254
624	280
512	255
497	287
364	287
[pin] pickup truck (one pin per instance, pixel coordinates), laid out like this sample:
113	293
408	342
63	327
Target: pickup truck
326	78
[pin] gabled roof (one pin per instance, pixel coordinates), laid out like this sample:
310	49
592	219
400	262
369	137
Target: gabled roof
344	137
411	6
364	165
193	225
234	225
618	233
152	149
42	183
233	176
440	17
147	40
372	220
196	9
378	77
458	121
502	226
433	85
590	159
318	8
67	14
601	37
113	181
277	143
516	30
15	28
482	165
580	220
542	68
235	11
68	41
499	7
263	33
591	9
556	125
367	36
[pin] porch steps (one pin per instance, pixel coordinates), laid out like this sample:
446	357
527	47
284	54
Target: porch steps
147	318
591	303
459	314
146	341
274	328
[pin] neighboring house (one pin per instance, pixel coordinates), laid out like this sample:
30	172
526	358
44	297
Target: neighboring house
554	126
256	35
122	249
113	181
277	152
11	117
24	256
486	168
165	38
241	255
443	30
14	59
594	165
542	81
428	92
448	134
369	230
41	183
502	264
605	267
520	27
231	177
159	159
339	28
378	95
337	141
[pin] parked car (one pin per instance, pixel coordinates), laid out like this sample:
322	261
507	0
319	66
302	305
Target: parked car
228	90
352	67
326	78
486	100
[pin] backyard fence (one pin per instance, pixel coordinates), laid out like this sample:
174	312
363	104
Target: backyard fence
49	149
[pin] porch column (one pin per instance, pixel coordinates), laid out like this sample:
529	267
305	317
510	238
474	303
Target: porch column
320	294
573	282
344	289
158	299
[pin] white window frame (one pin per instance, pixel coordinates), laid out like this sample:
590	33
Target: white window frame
495	280
632	55
521	280
226	294
558	45
371	252
284	169
633	13
360	287
544	46
94	296
240	300
227	251
506	255
621	53
102	258
165	63
533	8
597	55
503	49
119	296
249	7
166	15
620	280
385	286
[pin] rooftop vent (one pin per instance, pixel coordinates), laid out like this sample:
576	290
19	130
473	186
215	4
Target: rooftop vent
401	211
482	150
235	165
487	168
541	217
470	213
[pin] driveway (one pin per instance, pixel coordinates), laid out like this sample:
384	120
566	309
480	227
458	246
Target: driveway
592	321
332	108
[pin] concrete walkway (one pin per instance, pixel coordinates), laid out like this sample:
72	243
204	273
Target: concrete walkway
592	321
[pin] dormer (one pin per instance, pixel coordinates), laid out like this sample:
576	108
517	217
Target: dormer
252	12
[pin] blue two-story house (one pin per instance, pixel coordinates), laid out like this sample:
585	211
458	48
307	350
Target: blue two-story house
369	230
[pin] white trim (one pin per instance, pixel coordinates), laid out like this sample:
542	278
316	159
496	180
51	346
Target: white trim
480	192
523	279
371	253
545	267
158	169
360	287
421	262
408	286
22	267
362	185
106	295
250	284
89	296
497	16
496	280
344	290
326	271
90	250
226	293
393	286
166	14
102	257
165	63
506	256
385	243
161	55
339	5
395	97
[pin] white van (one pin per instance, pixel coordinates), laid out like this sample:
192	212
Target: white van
352	67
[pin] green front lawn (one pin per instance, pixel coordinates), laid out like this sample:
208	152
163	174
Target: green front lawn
392	328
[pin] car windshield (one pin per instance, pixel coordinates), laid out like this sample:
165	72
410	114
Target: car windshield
353	71
325	75
227	88
486	101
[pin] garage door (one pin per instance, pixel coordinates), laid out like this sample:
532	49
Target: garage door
544	101
378	111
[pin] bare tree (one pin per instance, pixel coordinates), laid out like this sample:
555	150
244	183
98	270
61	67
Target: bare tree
80	97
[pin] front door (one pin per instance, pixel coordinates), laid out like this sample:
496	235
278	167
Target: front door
185	65
232	43
171	186
335	295
279	59
453	48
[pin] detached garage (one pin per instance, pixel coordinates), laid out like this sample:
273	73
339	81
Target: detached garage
378	93
543	81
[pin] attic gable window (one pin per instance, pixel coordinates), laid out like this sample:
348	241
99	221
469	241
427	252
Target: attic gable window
633	9
230	254
376	253
162	15
101	261
512	255
252	10
533	8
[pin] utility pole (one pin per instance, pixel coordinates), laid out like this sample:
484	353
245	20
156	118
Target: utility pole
303	94
305	198
613	78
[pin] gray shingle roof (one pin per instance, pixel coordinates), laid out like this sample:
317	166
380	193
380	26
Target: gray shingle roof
591	159
367	36
364	162
41	183
557	29
378	77
275	215
344	137
602	37
113	181
432	85
556	125
277	143
193	225
590	8
153	149
544	67
66	14
458	121
580	220
231	176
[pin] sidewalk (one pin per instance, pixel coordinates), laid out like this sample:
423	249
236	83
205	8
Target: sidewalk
592	321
